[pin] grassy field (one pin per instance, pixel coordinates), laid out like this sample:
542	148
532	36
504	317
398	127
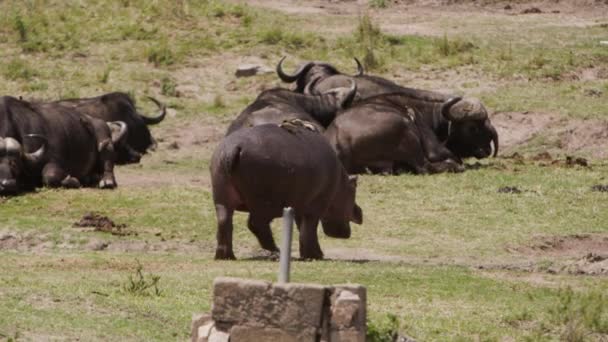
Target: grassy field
444	257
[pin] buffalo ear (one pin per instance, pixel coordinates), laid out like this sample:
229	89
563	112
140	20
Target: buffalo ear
357	215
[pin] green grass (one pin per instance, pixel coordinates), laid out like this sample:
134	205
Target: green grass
433	229
81	294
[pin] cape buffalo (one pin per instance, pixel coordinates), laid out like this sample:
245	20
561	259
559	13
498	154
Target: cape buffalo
71	149
387	133
265	168
120	107
463	132
277	105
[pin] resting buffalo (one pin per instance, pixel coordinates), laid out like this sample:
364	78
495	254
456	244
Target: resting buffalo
120	107
265	168
463	132
387	133
277	105
71	149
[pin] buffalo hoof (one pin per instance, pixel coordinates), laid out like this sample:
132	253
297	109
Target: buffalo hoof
107	183
70	183
308	256
224	254
274	255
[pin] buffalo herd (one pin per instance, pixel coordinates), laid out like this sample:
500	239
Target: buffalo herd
70	143
303	149
298	148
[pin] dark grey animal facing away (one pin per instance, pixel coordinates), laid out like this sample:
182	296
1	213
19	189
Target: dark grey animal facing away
265	168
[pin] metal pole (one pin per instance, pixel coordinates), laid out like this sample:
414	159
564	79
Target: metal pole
286	245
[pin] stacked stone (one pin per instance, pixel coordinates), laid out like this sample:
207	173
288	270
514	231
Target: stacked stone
252	310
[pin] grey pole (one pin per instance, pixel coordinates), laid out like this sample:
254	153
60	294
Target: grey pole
286	245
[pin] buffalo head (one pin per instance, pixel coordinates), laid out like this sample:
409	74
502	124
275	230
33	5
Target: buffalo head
343	210
471	132
14	160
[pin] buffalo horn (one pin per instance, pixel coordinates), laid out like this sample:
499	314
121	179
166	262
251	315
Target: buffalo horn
350	97
291	78
468	109
494	136
447	105
154	120
310	86
121	133
360	70
36	157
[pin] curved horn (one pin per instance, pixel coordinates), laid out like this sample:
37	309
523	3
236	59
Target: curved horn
494	134
350	96
360	70
447	105
468	109
291	78
159	117
310	86
36	157
121	133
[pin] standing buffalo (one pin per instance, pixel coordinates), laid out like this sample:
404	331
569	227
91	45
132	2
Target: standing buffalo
120	107
265	168
277	105
71	149
387	133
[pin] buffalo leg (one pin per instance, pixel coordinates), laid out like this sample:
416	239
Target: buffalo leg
224	232
410	153
261	229
106	159
54	176
309	241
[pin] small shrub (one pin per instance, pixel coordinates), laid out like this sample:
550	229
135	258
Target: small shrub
538	61
36	86
139	285
20	27
570	58
218	101
453	47
105	75
369	38
70	94
18	69
160	54
378	3
271	36
168	87
580	314
507	54
386	330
